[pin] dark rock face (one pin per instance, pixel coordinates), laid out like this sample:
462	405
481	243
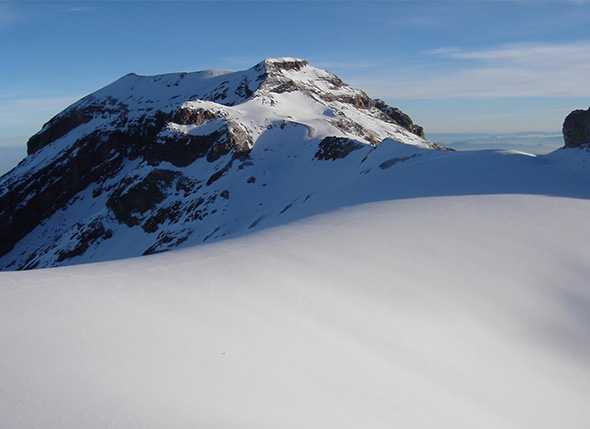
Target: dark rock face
287	64
92	159
86	236
389	114
243	90
171	213
332	148
352	127
28	202
182	151
399	117
362	101
167	241
576	129
128	202
56	128
66	121
193	116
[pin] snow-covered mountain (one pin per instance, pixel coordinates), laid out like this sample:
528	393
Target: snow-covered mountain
152	163
389	282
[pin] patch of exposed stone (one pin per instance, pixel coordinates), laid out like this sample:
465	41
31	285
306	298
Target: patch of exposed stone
352	127
576	129
387	113
29	201
392	161
332	148
395	115
62	124
186	116
256	222
360	100
167	240
84	237
274	81
218	95
171	214
243	90
33	259
183	149
138	201
287	86
286	64
211	234
198	208
129	202
219	173
93	159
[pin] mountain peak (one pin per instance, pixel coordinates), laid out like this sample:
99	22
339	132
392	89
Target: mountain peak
576	129
285	61
135	99
159	157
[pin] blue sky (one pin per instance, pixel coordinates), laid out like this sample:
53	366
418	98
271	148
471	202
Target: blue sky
454	66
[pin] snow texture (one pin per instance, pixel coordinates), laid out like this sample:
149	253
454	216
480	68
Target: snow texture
448	312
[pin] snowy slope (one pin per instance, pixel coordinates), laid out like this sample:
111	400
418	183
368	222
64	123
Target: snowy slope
448	312
282	181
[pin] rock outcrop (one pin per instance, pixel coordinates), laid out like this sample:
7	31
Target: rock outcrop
576	129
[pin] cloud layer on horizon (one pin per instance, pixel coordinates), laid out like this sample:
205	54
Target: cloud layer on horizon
514	70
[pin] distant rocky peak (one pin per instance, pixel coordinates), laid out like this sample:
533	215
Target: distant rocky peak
576	129
283	63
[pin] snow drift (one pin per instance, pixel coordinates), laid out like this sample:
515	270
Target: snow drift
451	312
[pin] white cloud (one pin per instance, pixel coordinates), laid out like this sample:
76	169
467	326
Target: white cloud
523	53
516	70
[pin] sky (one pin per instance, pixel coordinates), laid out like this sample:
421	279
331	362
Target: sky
454	66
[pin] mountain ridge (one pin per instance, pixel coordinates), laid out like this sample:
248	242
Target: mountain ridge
117	155
150	164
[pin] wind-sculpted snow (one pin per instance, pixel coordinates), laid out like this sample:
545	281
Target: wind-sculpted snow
429	313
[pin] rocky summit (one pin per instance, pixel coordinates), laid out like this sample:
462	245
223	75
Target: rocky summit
576	129
148	163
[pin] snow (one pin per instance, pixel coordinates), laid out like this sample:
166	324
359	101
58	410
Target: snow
292	185
432	312
195	130
396	286
144	95
52	151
